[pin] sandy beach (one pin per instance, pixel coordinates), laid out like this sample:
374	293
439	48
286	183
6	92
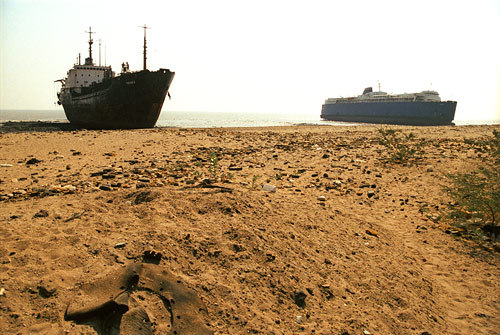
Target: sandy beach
280	230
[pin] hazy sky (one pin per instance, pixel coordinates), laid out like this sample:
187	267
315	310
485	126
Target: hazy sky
269	56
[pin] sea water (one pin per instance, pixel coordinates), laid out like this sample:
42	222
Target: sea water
185	119
206	119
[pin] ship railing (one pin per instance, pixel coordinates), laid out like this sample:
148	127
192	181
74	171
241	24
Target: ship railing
344	100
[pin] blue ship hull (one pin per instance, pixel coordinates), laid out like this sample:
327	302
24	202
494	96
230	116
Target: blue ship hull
418	113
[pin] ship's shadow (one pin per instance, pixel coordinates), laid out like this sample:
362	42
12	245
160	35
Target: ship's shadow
35	126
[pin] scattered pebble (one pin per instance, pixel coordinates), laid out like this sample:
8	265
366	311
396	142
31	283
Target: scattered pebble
269	188
32	161
105	187
42	213
371	232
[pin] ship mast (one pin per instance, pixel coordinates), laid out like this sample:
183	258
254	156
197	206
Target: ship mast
89	60
145	57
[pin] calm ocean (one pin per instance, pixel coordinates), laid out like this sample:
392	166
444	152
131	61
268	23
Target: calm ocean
201	119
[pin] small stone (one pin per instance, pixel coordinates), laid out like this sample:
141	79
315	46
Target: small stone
370	194
371	232
42	213
269	188
299	319
366	332
235	168
321	198
68	188
120	245
33	161
105	187
44	292
2	291
5	165
144	180
300	299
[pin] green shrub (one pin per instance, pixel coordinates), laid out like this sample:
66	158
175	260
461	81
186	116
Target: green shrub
476	194
403	148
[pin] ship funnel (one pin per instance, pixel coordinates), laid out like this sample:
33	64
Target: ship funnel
367	90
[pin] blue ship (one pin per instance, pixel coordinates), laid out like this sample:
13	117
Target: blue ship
418	109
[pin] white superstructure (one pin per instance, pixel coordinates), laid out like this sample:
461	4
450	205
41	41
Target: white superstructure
370	96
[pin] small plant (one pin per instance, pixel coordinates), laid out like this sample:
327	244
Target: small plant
254	182
226	177
214	165
402	147
477	193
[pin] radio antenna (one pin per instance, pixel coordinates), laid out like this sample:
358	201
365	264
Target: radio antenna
145	47
90	32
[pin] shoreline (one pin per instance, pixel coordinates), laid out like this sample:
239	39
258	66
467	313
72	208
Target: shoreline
64	125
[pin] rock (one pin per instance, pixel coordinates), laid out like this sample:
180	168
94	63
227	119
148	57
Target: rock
269	188
321	198
299	319
44	292
144	180
370	194
120	245
42	213
235	168
371	232
33	161
2	291
300	299
105	187
5	165
68	188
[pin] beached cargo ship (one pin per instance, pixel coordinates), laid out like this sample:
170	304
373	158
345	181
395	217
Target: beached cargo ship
421	109
94	97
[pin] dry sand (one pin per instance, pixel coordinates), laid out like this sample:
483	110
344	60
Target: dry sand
344	246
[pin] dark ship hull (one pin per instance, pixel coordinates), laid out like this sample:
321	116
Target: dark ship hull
131	100
418	113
